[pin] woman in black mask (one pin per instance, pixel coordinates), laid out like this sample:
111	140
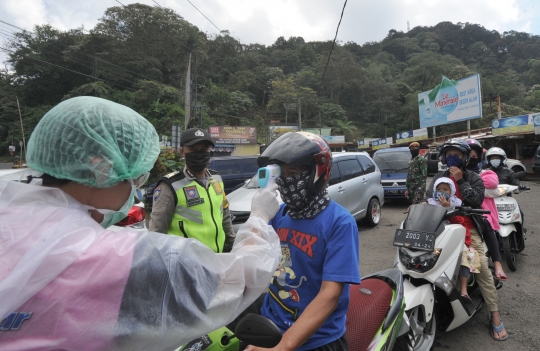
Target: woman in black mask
474	165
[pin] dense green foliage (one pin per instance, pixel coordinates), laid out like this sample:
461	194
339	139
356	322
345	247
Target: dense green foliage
137	55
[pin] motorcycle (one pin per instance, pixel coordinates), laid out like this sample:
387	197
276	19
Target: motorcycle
376	310
251	329
374	319
429	256
511	236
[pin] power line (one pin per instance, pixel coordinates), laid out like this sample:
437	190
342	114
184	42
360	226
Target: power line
80	63
203	15
91	56
67	69
332	48
212	61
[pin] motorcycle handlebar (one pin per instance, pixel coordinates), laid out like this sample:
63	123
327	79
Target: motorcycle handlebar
470	210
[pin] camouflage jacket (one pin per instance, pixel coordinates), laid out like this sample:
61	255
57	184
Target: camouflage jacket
417	175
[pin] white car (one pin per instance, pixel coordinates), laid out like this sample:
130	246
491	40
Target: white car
355	183
513	164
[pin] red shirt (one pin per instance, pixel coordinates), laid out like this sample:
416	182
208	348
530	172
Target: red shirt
465	221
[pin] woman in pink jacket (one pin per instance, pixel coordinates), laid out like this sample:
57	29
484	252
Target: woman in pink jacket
491	181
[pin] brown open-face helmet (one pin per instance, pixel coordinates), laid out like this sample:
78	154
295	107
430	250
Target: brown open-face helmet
301	149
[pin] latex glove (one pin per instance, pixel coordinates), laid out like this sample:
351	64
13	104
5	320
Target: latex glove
265	204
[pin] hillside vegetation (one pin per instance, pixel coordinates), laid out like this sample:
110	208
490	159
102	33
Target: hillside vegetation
137	55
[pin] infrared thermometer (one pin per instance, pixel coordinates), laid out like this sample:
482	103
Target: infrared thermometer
268	175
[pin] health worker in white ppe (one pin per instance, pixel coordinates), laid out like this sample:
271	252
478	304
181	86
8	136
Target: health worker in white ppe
68	283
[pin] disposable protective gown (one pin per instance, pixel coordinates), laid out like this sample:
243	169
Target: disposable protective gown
67	283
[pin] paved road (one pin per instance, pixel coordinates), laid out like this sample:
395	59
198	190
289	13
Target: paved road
519	300
5	165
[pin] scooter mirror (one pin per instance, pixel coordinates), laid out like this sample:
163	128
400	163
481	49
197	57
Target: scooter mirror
258	331
520	175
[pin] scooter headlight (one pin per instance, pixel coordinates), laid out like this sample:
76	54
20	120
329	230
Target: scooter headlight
421	263
445	284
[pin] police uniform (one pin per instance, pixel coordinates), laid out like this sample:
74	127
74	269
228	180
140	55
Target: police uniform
186	207
193	207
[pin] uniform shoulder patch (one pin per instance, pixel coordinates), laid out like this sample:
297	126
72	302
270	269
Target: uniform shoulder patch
170	175
157	193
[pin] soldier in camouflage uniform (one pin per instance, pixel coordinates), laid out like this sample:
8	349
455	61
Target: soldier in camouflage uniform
417	175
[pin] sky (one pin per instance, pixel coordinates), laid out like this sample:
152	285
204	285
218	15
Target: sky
258	21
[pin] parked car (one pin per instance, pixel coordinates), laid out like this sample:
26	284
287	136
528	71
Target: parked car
394	166
355	184
536	161
513	164
136	217
234	170
432	158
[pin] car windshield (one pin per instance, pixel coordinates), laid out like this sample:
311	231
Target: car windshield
392	162
253	183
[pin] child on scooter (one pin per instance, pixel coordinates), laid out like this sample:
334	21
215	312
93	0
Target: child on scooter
444	195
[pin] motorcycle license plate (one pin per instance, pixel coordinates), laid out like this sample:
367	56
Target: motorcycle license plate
414	240
505	207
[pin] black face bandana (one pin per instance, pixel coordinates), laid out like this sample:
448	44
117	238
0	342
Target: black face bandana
196	161
414	152
301	204
473	165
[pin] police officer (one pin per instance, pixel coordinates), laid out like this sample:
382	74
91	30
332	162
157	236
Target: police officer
192	203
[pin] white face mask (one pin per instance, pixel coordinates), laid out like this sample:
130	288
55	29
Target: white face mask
495	163
111	217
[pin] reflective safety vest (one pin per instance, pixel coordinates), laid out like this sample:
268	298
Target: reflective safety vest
199	211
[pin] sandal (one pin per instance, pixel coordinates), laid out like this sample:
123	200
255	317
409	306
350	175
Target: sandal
466	299
494	329
500	275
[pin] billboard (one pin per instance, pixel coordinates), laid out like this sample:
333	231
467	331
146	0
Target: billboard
451	101
335	139
365	143
233	135
516	124
411	135
536	122
381	143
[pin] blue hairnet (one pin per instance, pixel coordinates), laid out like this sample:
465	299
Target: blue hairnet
93	141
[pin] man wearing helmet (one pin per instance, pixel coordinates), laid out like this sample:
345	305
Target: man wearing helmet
455	153
496	158
309	294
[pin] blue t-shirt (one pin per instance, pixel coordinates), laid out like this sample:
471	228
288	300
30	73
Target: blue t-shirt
313	250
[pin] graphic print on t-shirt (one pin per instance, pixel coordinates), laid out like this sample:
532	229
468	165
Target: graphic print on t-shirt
283	291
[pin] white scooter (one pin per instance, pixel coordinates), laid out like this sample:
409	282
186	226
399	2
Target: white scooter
429	256
512	234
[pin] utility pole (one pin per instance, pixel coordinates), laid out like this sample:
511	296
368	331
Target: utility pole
498	107
299	115
22	129
320	124
187	104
